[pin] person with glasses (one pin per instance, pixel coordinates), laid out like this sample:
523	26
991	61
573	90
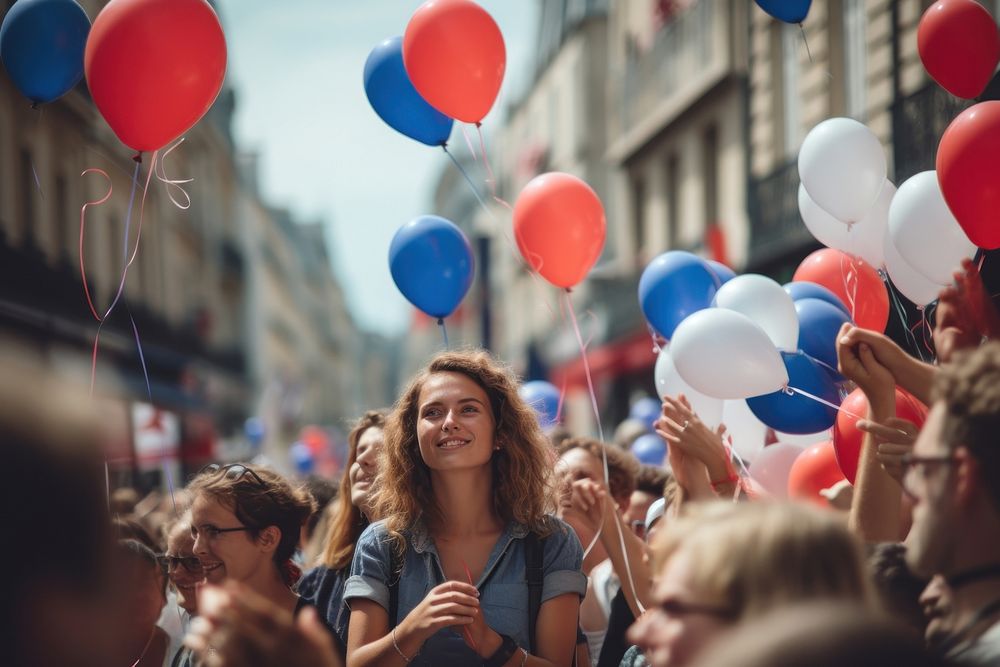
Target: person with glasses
324	585
184	572
723	563
953	476
465	486
245	523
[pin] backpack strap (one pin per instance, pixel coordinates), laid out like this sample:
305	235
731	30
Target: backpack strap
533	547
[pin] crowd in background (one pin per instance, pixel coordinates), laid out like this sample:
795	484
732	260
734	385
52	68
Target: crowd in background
461	533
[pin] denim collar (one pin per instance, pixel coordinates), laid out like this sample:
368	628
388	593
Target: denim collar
420	536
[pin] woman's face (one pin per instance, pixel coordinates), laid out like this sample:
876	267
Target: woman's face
184	574
683	621
454	423
226	555
363	470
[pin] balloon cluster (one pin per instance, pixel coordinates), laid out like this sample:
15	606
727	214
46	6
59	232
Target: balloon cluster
48	45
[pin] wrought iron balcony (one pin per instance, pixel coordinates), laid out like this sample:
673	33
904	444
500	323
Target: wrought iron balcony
918	121
776	228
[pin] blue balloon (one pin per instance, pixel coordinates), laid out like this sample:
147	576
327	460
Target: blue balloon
647	410
397	102
673	286
42	43
543	397
795	413
819	324
432	265
253	429
789	11
721	271
302	458
649	449
806	290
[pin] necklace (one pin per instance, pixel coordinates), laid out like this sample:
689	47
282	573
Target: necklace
146	647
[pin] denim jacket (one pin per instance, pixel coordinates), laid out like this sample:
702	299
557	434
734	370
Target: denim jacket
503	585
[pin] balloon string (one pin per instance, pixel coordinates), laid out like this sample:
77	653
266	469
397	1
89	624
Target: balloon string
31	159
173	184
795	390
83	218
849	290
586	368
562	400
444	332
928	333
806	41
901	312
468	143
490	178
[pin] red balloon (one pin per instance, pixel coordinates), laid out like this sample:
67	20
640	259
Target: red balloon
959	46
154	67
455	56
814	470
854	282
968	161
847	437
559	226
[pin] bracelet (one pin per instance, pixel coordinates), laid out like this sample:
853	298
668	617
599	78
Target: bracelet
508	647
396	646
732	478
524	657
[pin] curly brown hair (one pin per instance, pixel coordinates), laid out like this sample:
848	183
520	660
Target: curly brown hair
348	521
623	467
969	388
522	474
259	500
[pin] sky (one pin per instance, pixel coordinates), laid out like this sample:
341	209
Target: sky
296	66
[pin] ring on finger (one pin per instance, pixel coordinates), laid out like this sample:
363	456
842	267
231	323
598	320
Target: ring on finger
685	425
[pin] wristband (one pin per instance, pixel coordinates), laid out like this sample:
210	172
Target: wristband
508	647
732	478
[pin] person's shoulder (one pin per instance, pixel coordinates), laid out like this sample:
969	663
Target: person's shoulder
556	529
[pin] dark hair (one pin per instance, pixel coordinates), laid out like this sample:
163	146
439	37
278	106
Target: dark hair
348	522
898	588
969	388
323	492
259	500
137	552
651	479
130	529
623	467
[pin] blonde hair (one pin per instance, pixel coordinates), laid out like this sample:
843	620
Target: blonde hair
753	557
346	521
522	474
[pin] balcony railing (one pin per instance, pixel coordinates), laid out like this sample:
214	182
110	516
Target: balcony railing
687	57
776	227
918	121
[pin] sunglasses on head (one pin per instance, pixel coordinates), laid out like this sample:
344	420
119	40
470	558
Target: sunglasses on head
171	563
232	471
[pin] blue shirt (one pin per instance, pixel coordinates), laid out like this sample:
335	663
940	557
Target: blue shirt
503	585
324	589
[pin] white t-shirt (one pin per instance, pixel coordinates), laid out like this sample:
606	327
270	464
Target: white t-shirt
980	652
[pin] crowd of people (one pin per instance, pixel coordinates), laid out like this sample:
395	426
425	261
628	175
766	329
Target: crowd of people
461	534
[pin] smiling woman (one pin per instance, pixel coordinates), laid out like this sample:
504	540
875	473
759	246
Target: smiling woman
465	486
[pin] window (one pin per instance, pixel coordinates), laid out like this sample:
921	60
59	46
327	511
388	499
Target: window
27	212
673	199
791	116
710	175
855	48
639	216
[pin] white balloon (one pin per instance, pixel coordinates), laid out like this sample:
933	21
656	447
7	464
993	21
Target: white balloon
748	433
725	354
913	284
670	383
925	232
765	302
864	238
842	165
804	440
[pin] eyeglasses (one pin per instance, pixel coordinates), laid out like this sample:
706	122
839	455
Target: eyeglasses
211	532
171	563
910	463
679	608
234	472
639	527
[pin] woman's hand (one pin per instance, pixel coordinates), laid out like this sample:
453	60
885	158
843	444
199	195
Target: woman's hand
895	438
858	361
698	450
453	603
